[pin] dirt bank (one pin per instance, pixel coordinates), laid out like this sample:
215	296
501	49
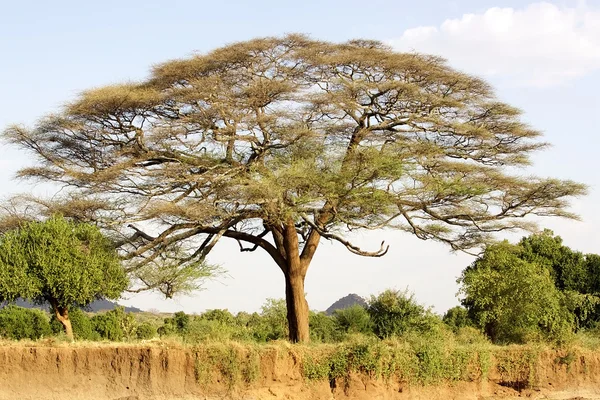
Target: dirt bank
161	372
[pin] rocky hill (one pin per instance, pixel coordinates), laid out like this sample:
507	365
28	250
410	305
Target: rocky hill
346	302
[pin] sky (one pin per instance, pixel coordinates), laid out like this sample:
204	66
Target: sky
543	57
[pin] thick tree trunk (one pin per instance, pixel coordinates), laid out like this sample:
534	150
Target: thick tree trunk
295	272
62	314
297	308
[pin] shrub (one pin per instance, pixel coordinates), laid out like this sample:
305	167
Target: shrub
22	323
115	325
145	331
202	330
222	316
274	319
353	319
456	318
396	312
177	324
83	329
322	328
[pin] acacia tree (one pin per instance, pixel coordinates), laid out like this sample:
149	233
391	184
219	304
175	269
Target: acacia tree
60	262
279	143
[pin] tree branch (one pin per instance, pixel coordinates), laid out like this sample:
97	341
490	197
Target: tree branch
353	248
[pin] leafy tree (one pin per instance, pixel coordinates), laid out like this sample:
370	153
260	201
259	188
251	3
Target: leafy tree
322	328
145	331
273	316
281	142
354	319
115	325
514	300
574	273
21	323
222	316
60	262
395	312
178	323
456	318
567	267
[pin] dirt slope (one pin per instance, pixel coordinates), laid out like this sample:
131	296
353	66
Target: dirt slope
160	373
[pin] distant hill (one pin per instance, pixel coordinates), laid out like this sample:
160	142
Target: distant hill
345	302
95	306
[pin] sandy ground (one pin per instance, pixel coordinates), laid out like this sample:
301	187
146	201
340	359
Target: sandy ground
160	373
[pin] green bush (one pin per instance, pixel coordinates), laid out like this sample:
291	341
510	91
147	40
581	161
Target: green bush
115	325
259	328
353	319
456	318
202	330
177	324
395	312
513	300
145	331
274	319
22	323
83	329
322	328
222	316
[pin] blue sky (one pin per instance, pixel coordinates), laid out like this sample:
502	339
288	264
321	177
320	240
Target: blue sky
541	57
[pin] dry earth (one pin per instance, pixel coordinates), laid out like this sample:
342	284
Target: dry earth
168	373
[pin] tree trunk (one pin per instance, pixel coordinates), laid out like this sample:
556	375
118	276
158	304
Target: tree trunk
295	272
297	308
62	314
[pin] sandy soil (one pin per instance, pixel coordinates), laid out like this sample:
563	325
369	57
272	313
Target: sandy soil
161	373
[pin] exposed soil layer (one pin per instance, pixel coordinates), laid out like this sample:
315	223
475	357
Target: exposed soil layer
161	373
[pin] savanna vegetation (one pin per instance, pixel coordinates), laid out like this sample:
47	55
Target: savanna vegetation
281	143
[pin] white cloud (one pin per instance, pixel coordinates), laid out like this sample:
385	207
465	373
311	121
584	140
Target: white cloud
540	45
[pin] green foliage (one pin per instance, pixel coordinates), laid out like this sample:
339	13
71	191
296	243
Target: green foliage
421	360
394	313
180	321
83	328
274	319
202	330
227	363
355	319
22	323
222	316
145	331
514	300
61	261
177	324
457	318
115	325
574	273
173	272
322	328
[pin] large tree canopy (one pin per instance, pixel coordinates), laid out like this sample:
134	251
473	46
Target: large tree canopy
280	142
60	262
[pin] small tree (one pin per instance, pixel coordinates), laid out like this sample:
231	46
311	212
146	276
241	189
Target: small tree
514	300
354	319
60	262
456	318
395	312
